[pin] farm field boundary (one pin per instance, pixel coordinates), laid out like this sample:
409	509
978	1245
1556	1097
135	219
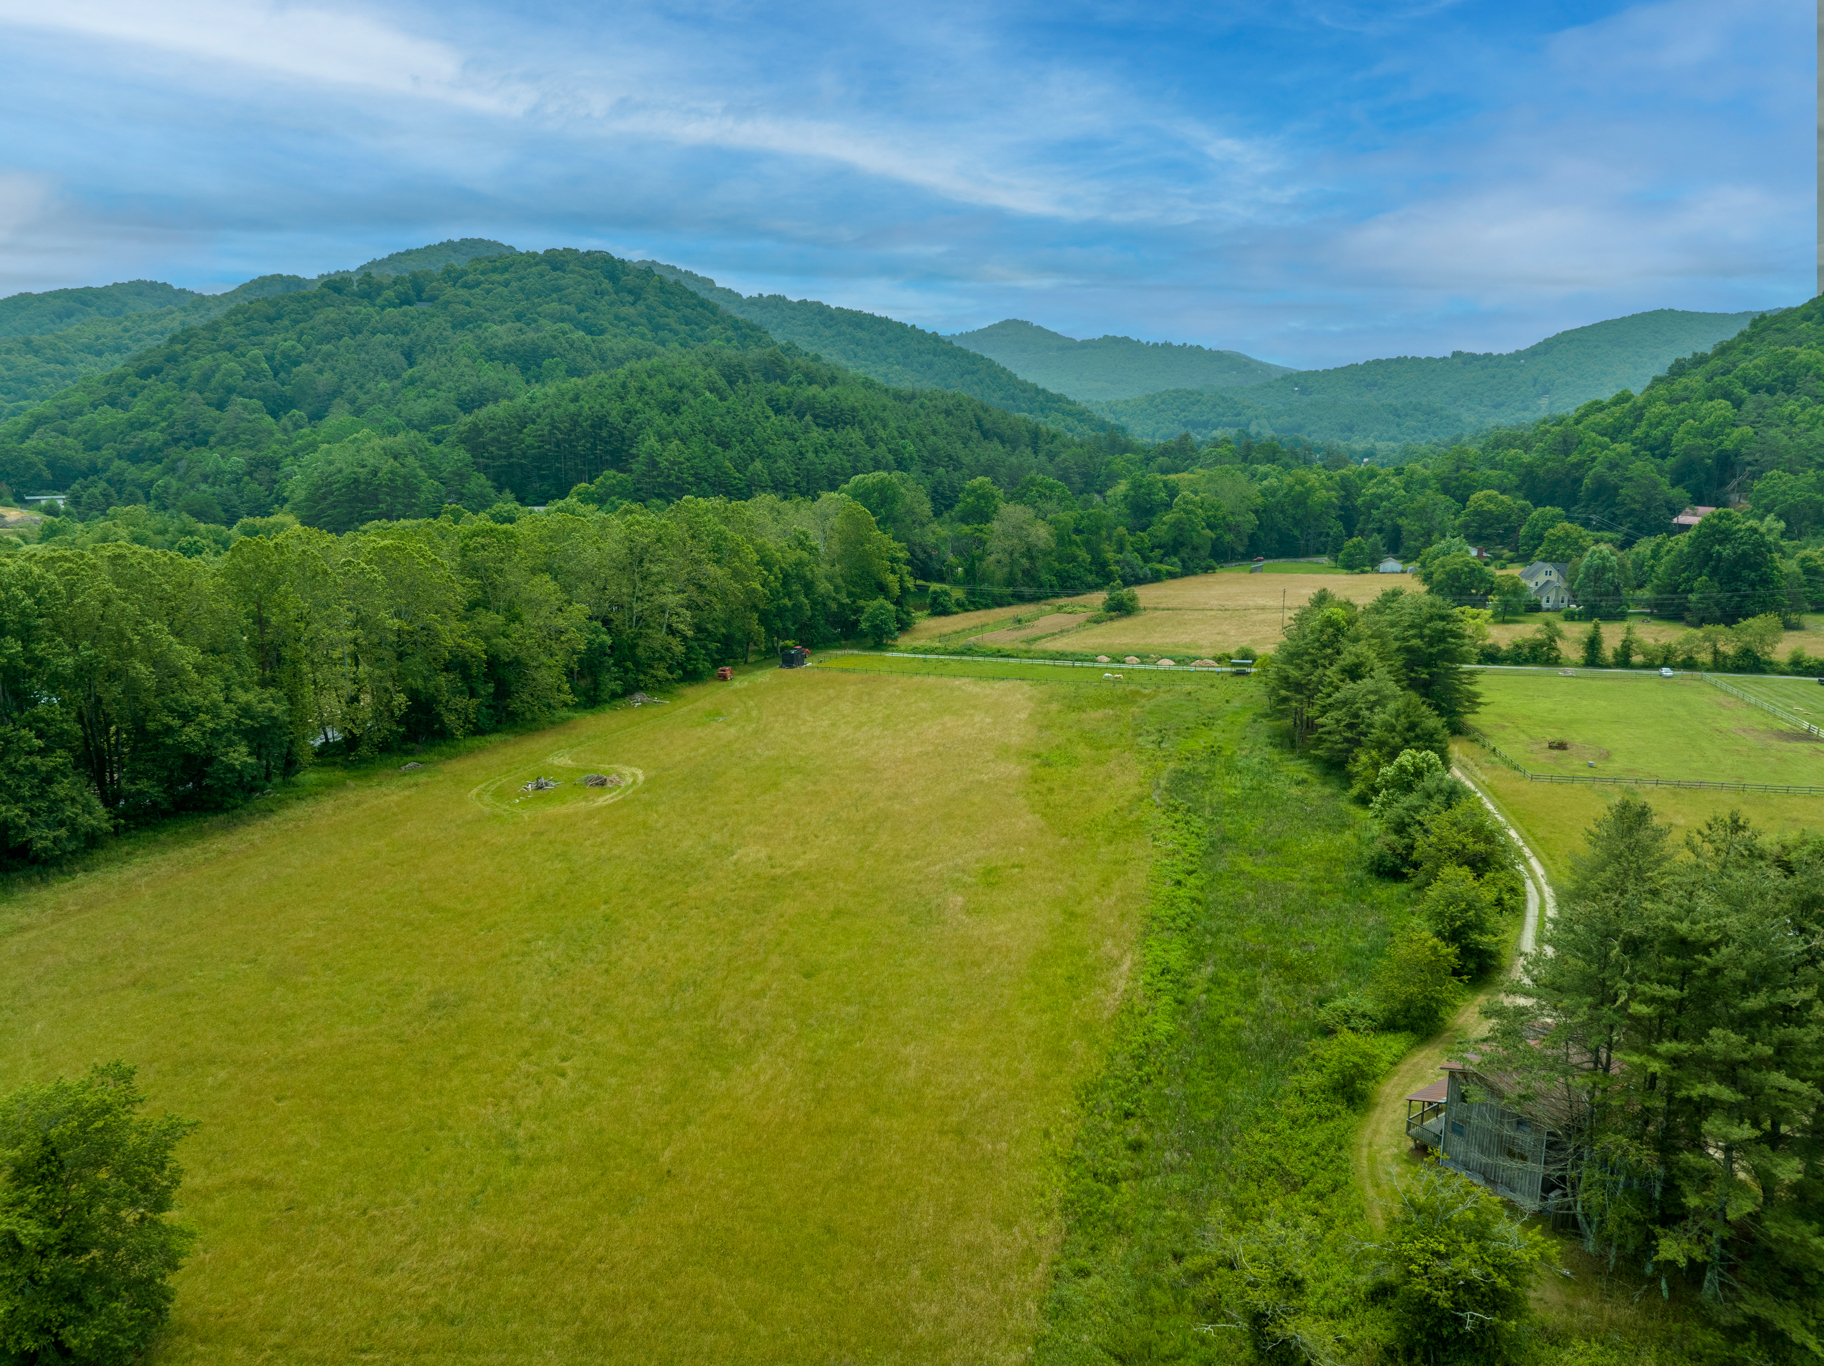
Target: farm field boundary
1600	780
1011	670
1763	704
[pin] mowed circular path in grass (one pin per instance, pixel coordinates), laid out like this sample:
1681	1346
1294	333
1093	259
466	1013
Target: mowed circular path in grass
765	1062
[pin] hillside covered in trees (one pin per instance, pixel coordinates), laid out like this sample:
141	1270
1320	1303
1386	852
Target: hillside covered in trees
1106	368
529	377
49	341
1433	398
892	352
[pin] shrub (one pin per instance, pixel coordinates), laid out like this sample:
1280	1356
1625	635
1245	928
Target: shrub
1406	809
1354	1012
1346	1065
940	602
1405	723
85	1250
1121	602
1355	557
1458	910
1415	986
1465	834
879	622
1461	1271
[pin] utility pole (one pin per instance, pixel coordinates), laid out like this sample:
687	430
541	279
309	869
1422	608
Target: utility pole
1282	592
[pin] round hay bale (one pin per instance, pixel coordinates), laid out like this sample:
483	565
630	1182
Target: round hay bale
1166	664
1131	659
1103	659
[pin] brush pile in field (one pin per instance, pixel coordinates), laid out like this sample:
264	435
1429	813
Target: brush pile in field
407	768
601	780
540	785
640	699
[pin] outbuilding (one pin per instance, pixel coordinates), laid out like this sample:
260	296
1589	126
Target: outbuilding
1390	566
1475	1125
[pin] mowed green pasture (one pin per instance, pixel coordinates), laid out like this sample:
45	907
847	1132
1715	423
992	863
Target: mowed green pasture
1639	726
1799	698
770	1059
1642	726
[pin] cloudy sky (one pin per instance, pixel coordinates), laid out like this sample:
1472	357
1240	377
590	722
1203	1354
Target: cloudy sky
1310	181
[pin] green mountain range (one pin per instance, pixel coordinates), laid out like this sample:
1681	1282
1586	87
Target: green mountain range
388	396
1109	368
1432	398
1154	391
49	341
892	352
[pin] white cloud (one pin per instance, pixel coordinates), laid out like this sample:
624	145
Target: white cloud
304	43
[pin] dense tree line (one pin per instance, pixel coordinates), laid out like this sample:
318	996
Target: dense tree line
532	377
1374	693
1674	1013
136	683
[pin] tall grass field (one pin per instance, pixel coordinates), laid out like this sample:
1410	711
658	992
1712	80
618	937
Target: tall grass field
773	1057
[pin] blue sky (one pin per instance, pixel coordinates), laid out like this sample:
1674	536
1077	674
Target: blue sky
1310	181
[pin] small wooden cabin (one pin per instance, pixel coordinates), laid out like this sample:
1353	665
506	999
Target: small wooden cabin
1469	1121
794	657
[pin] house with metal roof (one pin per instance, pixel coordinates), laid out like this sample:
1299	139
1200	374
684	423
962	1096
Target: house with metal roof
1519	1149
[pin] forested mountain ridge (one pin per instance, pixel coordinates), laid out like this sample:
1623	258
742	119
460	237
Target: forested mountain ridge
49	341
453	252
1464	392
386	398
716	423
35	367
892	352
31	315
1744	421
215	412
1105	368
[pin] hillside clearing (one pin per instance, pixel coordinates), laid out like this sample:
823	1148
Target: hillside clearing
760	1063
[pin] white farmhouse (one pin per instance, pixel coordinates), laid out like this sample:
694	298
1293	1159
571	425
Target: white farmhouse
1548	581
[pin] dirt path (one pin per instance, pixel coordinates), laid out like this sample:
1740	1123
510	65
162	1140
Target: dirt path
1381	1147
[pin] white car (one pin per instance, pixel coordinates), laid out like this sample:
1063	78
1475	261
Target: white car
1665	673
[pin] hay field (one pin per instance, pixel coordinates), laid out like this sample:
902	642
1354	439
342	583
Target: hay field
1215	613
961	625
767	1060
1049	624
